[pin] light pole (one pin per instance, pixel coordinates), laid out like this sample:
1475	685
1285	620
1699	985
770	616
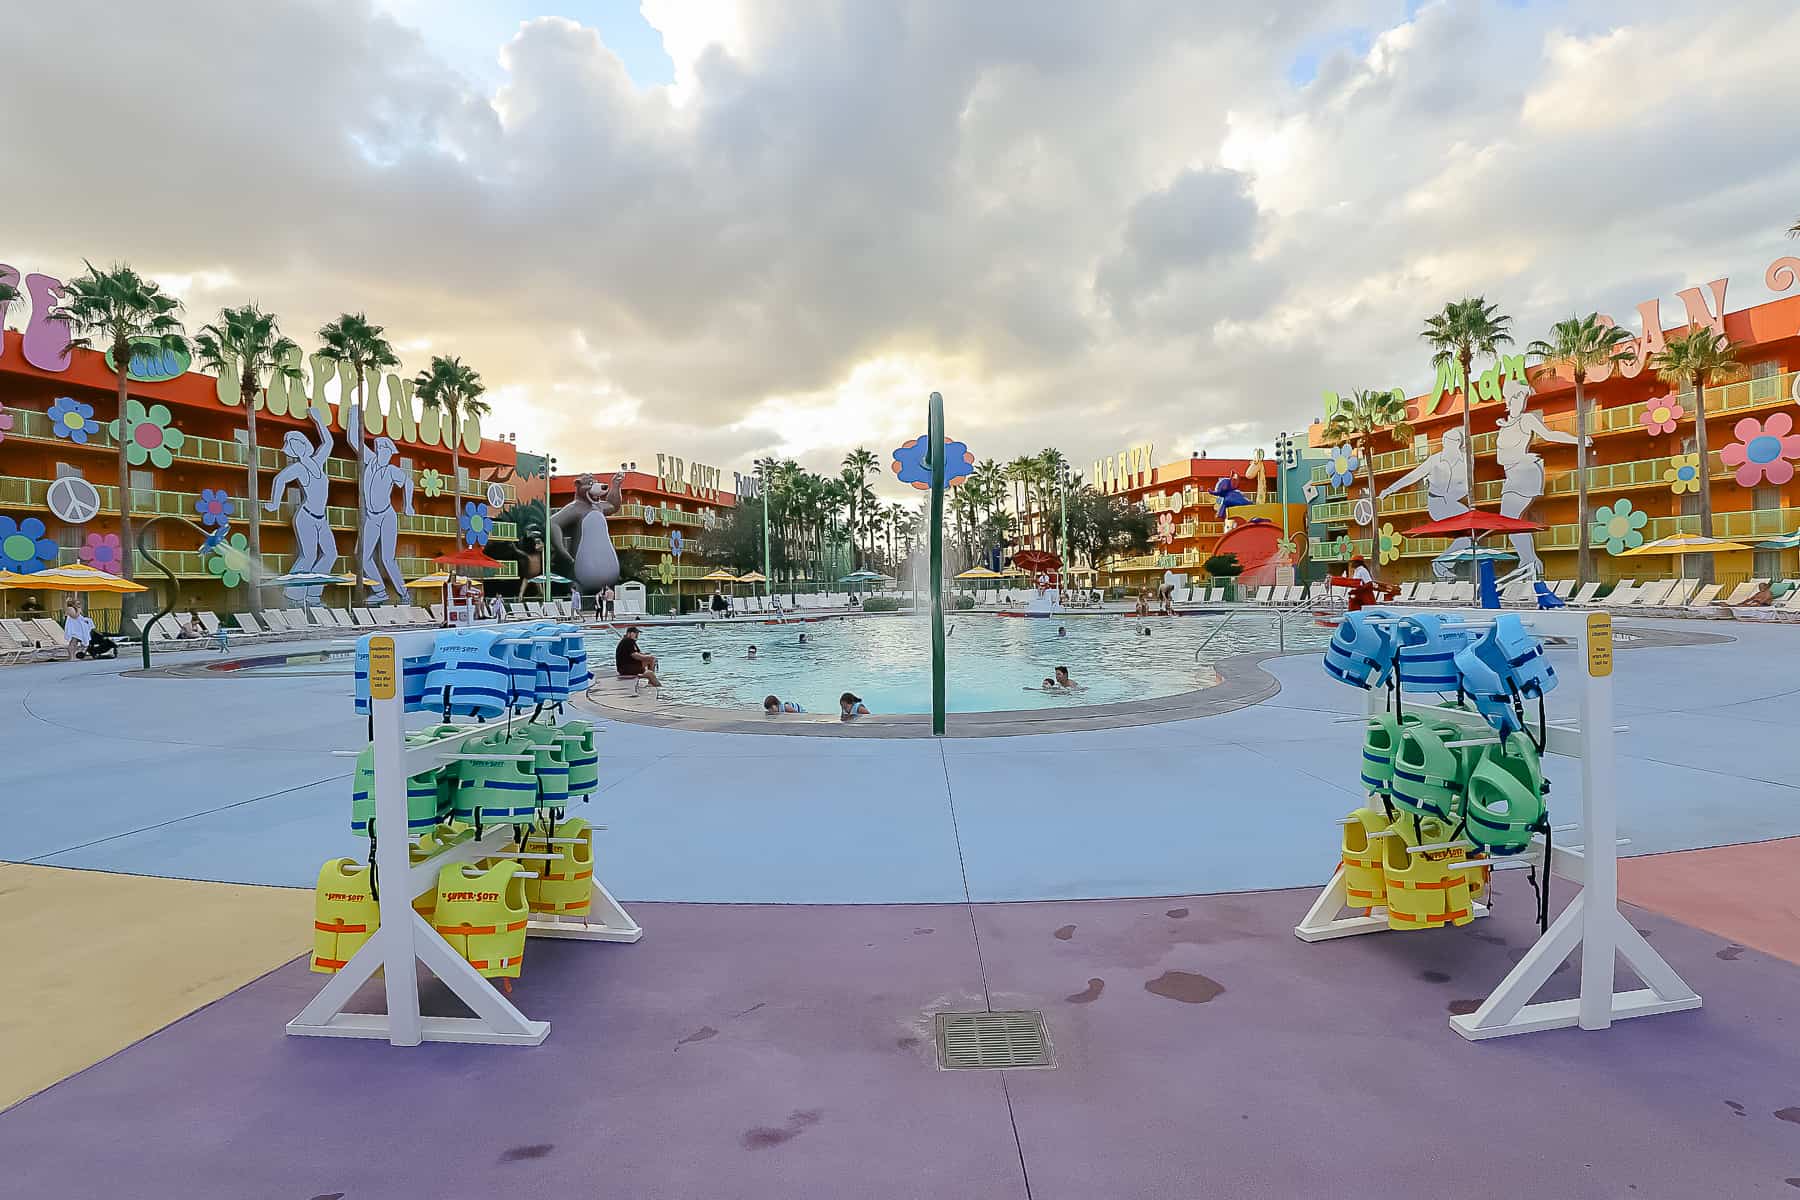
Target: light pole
544	536
768	584
1287	457
1062	493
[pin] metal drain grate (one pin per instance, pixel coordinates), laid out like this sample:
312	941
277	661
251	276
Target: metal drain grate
990	1041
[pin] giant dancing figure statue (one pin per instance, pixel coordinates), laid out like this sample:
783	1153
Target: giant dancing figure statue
1524	471
1446	476
579	530
381	526
315	544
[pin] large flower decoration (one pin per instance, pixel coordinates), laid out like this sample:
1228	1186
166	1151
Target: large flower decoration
1762	450
909	463
1344	465
431	482
1683	473
476	525
1617	527
71	419
1165	528
1389	543
1662	415
6	423
103	552
665	569
23	546
215	507
153	439
230	559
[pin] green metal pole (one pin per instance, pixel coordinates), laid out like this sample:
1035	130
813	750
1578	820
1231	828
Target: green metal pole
768	578
1063	494
935	448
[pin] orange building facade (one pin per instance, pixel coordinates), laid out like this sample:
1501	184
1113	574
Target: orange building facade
1179	494
679	498
54	419
1643	473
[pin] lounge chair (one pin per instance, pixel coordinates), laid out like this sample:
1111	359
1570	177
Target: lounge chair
1622	594
1585	596
1562	588
1653	594
27	636
1702	602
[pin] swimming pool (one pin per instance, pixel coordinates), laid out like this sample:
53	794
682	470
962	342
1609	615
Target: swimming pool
993	663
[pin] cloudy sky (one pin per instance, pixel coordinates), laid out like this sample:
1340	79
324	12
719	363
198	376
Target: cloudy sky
723	228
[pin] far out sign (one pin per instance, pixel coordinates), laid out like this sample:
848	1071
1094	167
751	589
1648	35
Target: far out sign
699	480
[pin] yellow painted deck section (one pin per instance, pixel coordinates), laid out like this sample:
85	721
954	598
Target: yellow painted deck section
96	961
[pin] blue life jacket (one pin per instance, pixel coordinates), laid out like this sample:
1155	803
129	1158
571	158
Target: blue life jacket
1517	657
468	677
1360	654
412	679
1426	652
1487	689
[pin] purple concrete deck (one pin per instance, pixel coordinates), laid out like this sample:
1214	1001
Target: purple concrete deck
785	1052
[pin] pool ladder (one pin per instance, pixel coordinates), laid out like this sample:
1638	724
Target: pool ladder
1279	614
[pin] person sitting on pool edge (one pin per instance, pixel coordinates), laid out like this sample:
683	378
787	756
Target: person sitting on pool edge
632	662
774	706
850	706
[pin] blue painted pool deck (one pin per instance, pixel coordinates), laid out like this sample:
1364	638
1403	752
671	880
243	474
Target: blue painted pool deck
234	779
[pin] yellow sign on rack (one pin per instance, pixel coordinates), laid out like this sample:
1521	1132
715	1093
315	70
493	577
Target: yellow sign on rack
1599	645
383	682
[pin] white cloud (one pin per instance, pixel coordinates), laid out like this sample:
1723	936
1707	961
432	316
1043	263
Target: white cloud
1087	225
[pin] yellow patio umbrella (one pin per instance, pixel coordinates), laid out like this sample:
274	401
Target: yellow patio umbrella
980	573
75	577
1684	543
753	577
435	580
720	576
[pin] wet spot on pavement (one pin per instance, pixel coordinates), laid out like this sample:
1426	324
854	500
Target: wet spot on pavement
924	929
1434	977
1492	939
907	1042
1788	1114
1462	1008
329	1196
1064	934
751	1009
1177	913
1735	1107
1792	1181
1090	994
699	1035
1729	953
762	1137
521	1153
1185	986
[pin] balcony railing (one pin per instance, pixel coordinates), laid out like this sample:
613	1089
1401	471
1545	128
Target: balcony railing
191	564
664	516
146	502
32	426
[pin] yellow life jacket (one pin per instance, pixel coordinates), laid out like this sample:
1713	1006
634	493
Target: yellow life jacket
431	842
482	915
1423	891
1364	885
565	885
345	914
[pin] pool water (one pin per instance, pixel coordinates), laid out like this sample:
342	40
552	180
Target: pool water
993	663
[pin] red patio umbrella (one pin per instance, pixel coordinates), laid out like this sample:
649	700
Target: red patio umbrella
469	557
1036	560
1473	523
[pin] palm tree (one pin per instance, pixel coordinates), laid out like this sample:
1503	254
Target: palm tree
1698	357
1052	463
1583	343
456	389
358	346
1017	472
859	461
249	341
120	308
1464	329
1356	421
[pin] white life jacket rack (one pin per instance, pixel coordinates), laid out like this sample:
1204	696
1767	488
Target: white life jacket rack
1592	921
404	937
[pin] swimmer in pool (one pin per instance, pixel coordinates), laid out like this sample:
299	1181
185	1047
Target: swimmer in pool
850	705
706	656
750	653
803	639
1062	678
774	706
1062	631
